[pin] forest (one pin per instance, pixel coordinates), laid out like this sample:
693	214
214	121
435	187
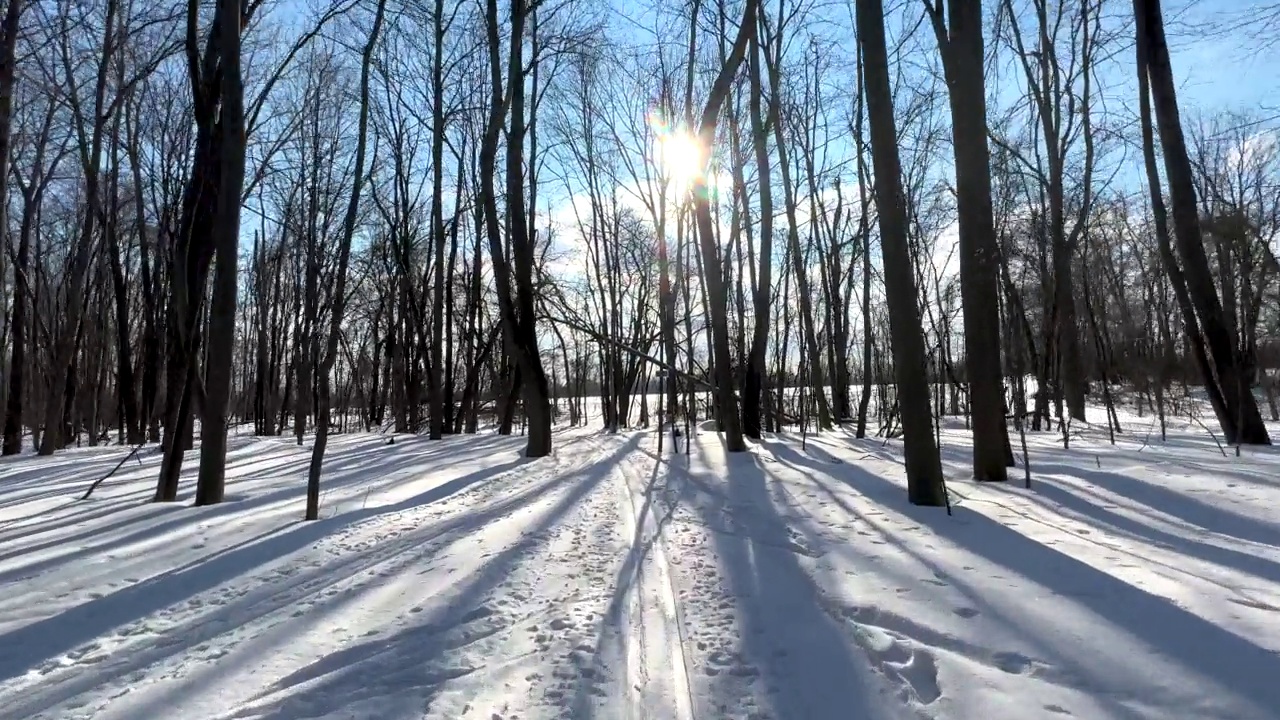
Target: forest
447	217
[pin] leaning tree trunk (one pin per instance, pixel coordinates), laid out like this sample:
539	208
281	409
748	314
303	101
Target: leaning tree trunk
809	336
1240	419
338	303
717	298
517	313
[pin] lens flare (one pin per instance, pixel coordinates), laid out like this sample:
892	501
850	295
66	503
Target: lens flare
678	154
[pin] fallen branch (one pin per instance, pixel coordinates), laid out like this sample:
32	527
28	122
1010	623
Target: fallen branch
1211	434
119	465
600	337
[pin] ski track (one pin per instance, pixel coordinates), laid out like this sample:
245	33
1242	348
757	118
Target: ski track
658	671
793	581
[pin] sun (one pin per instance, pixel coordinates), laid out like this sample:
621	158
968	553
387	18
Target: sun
681	158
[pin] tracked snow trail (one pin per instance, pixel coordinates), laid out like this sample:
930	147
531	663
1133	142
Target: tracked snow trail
456	580
658	675
468	594
494	588
759	644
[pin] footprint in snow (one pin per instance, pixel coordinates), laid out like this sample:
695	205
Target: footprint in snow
1014	663
912	668
966	612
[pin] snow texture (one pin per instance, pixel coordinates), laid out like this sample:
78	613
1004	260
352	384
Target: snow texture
456	580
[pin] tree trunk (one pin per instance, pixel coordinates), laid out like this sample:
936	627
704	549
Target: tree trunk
716	296
435	391
1240	418
338	303
517	313
962	54
222	307
864	235
924	468
753	380
18	359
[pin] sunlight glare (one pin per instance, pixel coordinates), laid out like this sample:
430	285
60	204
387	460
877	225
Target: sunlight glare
679	155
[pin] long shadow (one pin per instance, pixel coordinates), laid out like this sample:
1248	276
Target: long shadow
816	463
25	472
611	632
643	541
1226	557
1234	663
90	510
1179	505
404	673
52	519
335	480
29	646
1161	499
261	601
1226	472
809	669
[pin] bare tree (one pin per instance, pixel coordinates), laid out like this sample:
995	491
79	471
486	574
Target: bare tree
338	302
1238	411
924	468
960	41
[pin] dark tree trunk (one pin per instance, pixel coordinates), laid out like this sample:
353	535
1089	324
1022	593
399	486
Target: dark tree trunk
716	296
18	360
222	307
1239	416
962	54
924	468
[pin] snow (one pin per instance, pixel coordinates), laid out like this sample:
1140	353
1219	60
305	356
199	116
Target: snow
456	579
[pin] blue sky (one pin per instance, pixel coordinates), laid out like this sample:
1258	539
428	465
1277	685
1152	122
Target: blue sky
1228	70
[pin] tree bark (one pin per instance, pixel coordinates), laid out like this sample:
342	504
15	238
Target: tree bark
924	468
961	46
716	297
338	303
211	483
435	390
1240	418
761	119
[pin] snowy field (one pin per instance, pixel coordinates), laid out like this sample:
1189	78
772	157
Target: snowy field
456	580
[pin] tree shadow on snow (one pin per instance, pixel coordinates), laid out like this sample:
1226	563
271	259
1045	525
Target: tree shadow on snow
368	469
1198	646
808	667
36	645
1158	499
1174	503
401	675
815	465
660	500
1048	493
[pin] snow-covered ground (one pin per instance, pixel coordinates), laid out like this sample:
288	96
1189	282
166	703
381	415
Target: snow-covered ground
456	580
